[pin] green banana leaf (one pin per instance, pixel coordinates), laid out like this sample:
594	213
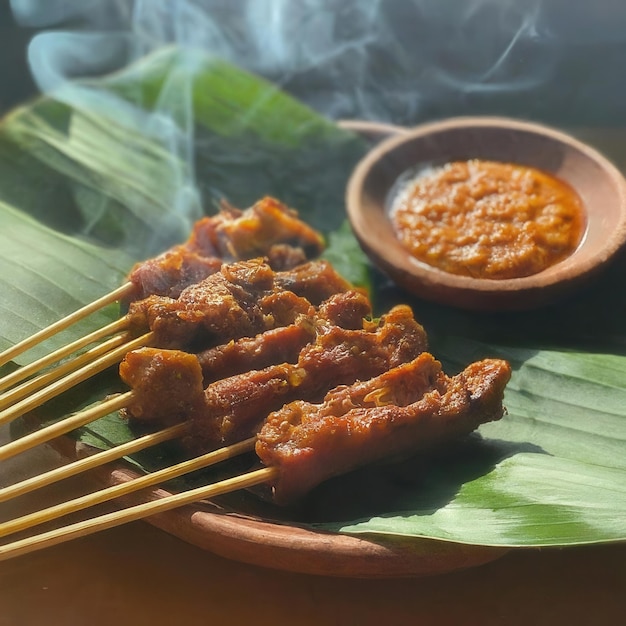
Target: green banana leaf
103	174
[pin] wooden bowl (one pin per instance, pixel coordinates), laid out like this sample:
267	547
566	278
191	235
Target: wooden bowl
599	184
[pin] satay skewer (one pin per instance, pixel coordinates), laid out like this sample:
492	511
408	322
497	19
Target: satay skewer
116	491
25	371
137	512
26	344
228	236
398	412
43	395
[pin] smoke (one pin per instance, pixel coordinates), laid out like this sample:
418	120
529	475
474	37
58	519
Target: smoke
392	60
401	61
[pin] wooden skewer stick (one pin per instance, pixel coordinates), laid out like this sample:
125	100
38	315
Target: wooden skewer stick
34	384
92	461
115	491
61	324
140	511
76	377
64	426
32	368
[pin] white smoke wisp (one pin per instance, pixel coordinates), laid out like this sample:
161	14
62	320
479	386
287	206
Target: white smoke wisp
399	61
392	60
371	58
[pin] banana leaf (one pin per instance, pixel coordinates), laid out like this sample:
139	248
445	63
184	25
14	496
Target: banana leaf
112	170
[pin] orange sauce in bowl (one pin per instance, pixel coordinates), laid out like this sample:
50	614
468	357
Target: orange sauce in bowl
487	219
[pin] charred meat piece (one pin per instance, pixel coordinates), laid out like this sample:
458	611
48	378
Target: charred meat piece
169	273
167	383
316	281
267	223
404	410
401	330
277	345
347	309
283	344
341	356
268	228
241	300
281	308
281	257
234	407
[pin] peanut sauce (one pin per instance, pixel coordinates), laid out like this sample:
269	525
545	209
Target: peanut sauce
488	219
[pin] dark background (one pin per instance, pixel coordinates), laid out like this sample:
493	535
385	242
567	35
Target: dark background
562	62
16	84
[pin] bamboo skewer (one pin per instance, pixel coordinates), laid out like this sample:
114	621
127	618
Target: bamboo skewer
34	384
23	397
118	517
76	377
140	511
32	368
115	491
63	323
98	459
64	426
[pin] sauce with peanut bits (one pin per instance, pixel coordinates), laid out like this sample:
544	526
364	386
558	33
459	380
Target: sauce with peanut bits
487	219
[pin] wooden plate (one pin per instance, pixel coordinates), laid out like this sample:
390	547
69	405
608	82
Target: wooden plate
291	547
288	546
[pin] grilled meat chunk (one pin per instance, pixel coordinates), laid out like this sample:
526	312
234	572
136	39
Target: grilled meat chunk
267	223
170	272
165	383
241	300
347	309
409	408
268	228
316	281
233	408
277	345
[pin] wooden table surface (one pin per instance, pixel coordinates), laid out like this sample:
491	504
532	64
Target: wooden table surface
137	574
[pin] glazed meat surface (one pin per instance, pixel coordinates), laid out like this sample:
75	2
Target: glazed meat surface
233	408
267	229
283	344
347	309
240	300
254	338
402	411
237	406
170	272
316	281
266	224
165	383
277	345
